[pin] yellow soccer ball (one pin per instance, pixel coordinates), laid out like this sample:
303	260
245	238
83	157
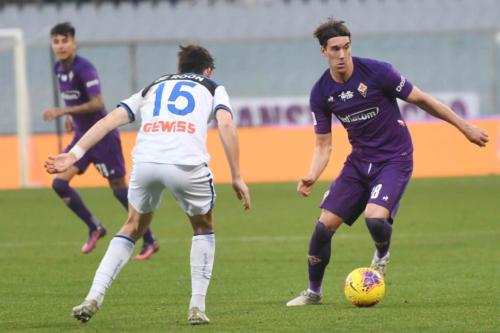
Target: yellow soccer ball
364	287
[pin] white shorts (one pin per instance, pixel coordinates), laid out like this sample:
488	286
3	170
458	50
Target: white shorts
192	187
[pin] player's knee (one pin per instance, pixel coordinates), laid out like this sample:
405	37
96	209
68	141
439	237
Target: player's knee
133	228
379	228
60	186
117	184
202	224
374	223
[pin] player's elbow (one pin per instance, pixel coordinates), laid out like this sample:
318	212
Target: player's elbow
324	148
225	124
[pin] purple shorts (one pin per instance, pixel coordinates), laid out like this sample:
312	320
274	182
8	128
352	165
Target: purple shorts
106	155
361	182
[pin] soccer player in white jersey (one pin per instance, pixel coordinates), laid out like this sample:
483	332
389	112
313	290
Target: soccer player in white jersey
169	153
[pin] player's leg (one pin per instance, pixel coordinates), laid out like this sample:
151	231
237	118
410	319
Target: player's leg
120	191
61	185
192	187
320	248
117	255
380	228
387	188
108	158
145	195
202	261
342	203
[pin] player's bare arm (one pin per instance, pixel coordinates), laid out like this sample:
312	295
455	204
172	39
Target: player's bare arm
320	159
68	124
62	162
229	138
95	104
439	110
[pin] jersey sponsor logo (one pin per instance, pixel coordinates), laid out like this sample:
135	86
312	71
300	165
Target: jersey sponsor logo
169	127
345	95
360	116
92	83
401	84
362	89
70	95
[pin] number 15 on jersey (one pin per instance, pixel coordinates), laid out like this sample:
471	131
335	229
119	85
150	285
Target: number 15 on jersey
180	91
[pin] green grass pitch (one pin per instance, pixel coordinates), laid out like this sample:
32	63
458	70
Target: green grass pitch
444	274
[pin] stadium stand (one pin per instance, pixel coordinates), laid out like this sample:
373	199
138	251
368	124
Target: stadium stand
269	42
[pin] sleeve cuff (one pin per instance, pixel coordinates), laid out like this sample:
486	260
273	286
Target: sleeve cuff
223	107
131	115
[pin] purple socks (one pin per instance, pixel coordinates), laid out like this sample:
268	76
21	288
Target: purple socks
121	195
74	202
319	255
381	231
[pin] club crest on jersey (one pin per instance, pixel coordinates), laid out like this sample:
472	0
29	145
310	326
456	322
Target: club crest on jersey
330	99
345	95
362	88
71	75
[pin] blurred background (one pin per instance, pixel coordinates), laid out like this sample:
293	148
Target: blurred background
265	53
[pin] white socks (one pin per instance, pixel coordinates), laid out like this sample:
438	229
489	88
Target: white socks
117	255
202	261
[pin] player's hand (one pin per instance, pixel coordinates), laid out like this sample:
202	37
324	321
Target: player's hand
305	185
52	114
59	163
68	124
241	191
476	135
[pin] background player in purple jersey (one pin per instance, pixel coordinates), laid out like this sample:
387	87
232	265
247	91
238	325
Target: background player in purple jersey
362	94
81	91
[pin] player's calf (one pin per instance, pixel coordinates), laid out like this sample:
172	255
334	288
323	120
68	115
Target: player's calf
381	231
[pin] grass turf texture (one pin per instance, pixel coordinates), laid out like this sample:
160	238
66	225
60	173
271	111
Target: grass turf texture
443	275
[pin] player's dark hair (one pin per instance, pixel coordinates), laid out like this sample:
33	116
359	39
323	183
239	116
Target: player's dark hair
194	59
329	29
63	29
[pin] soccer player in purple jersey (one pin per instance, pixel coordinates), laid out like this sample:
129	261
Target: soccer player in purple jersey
362	94
81	91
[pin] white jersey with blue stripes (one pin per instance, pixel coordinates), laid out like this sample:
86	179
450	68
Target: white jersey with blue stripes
175	110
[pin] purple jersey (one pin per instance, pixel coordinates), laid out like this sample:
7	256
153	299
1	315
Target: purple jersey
367	108
77	84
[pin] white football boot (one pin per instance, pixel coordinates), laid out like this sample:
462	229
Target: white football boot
380	264
307	297
86	310
197	317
